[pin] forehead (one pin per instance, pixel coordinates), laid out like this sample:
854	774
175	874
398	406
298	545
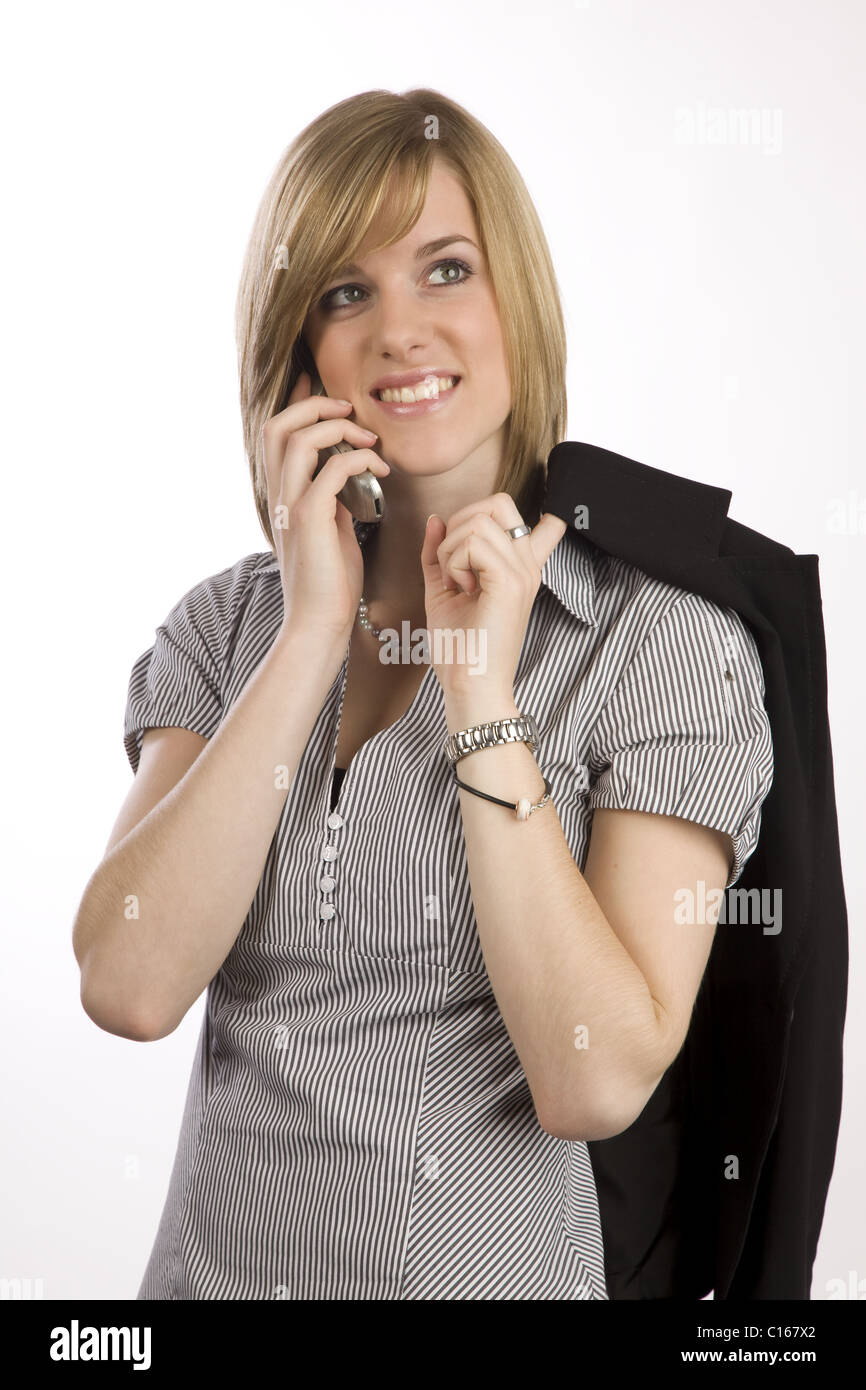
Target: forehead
447	212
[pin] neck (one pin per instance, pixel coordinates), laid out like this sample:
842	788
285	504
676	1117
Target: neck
393	578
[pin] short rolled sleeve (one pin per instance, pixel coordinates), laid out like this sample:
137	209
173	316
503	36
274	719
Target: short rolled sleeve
176	683
685	732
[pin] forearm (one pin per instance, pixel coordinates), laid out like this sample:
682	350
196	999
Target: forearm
191	867
577	1007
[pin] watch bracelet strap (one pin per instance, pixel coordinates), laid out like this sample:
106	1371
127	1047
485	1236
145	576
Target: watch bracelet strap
514	729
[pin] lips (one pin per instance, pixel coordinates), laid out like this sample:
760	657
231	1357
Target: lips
426	406
428	394
414	378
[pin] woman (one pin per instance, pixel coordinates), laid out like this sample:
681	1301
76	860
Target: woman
430	984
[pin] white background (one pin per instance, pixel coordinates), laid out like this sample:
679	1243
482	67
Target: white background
715	303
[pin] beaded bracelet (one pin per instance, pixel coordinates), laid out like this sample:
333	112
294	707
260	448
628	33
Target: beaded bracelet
523	808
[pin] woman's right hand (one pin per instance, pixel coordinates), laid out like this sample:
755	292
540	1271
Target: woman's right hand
318	553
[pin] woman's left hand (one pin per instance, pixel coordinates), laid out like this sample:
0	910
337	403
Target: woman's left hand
482	583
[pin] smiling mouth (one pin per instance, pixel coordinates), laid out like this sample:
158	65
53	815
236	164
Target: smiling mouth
429	390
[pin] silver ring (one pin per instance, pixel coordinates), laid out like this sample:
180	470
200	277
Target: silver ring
516	532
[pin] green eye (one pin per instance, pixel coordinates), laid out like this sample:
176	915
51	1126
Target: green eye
328	301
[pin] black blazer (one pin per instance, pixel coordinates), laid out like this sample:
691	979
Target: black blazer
759	1077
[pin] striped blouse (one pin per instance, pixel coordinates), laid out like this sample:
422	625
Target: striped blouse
357	1123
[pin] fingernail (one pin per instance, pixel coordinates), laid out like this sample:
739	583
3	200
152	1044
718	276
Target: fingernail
371	433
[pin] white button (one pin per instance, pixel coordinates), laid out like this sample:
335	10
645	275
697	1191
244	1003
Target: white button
326	909
328	852
334	821
326	884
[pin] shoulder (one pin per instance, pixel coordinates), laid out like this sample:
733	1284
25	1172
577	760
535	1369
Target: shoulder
228	585
651	622
211	608
663	604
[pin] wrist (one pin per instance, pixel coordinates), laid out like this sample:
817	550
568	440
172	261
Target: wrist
325	650
465	708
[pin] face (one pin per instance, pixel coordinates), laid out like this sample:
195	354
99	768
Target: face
397	312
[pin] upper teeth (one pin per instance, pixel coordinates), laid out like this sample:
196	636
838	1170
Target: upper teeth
425	390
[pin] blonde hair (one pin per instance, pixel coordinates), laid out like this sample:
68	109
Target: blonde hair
370	157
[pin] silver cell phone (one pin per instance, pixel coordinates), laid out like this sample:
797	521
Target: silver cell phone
362	494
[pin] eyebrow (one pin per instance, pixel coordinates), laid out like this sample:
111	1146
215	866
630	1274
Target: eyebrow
421	254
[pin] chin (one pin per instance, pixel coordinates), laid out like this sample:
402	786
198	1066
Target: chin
419	462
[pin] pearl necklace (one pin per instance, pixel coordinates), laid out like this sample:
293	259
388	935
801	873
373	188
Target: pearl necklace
365	528
363	616
364	620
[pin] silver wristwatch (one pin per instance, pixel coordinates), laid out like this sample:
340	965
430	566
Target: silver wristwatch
522	729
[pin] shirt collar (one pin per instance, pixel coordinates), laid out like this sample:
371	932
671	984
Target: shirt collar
568	574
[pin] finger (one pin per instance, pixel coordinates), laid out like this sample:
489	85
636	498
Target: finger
324	488
289	466
500	505
545	537
322	496
430	567
542	540
484	559
453	550
303	409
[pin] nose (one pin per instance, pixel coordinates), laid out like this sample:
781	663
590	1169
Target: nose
402	324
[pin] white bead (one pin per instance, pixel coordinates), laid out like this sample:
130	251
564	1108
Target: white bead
523	806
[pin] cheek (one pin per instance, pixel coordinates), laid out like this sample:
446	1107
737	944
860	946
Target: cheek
494	358
334	354
487	351
496	375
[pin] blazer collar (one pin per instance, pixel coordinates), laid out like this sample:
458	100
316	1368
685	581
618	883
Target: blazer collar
627	508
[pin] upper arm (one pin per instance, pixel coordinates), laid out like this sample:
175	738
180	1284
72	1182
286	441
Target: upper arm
683	749
166	757
637	867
